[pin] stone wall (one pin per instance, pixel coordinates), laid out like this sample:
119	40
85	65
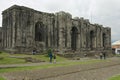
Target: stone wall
25	29
0	38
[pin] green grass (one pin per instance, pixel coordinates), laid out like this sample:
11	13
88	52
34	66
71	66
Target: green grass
11	61
44	66
8	58
118	55
1	78
60	62
115	78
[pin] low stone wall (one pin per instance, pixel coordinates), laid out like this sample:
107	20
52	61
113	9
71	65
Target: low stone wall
94	54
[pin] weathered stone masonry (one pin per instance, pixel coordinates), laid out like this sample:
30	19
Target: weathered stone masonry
25	28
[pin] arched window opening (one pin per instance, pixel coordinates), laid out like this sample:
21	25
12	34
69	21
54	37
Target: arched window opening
104	40
39	31
74	36
91	39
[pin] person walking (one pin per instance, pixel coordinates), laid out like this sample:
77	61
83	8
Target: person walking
50	56
54	57
101	55
104	55
34	51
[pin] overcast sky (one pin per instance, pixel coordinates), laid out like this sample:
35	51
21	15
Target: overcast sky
105	12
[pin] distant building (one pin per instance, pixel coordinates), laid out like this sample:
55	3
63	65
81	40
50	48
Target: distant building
116	47
25	29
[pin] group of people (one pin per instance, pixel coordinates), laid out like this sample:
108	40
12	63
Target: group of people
51	54
103	55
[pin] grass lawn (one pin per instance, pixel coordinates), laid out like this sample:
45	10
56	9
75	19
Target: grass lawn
44	66
115	78
7	59
19	58
1	78
118	55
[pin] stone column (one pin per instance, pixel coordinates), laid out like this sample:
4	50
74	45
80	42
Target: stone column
108	38
68	30
109	32
101	40
69	38
98	39
82	33
77	25
18	37
48	23
4	29
14	29
64	29
61	20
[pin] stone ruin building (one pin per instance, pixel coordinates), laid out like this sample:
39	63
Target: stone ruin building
24	29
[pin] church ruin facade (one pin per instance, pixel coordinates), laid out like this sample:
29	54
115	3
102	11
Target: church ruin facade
24	29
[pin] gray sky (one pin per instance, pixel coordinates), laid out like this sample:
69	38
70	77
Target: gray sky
105	12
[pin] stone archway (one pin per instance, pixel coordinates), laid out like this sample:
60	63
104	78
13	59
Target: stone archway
104	40
39	32
39	36
92	39
74	37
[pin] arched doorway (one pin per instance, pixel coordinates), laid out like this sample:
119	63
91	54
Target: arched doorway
91	39
39	32
74	37
104	40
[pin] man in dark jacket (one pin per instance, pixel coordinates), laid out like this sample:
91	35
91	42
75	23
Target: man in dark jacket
50	55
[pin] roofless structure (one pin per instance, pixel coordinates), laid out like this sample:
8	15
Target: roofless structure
25	28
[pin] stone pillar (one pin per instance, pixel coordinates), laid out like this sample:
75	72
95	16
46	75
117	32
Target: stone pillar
10	30
83	34
97	33
60	16
98	38
81	31
68	30
101	40
63	23
7	42
53	31
108	38
49	32
18	30
14	29
95	36
4	28
69	38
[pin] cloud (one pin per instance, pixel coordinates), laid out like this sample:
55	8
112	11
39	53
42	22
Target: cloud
105	12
